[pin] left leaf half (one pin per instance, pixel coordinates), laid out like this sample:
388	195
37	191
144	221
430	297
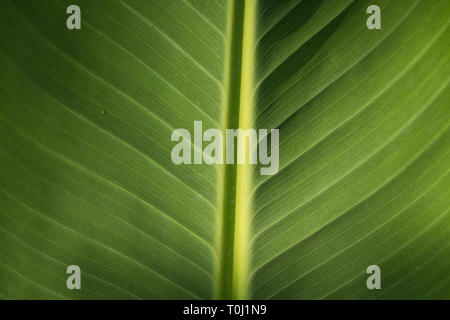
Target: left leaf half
86	118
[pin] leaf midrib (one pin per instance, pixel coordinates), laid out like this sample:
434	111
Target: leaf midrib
234	203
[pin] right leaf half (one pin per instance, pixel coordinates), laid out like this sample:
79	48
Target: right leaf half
363	120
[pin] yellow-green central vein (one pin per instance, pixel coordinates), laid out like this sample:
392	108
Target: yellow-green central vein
234	205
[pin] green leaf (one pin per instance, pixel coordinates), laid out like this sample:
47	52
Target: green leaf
86	118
